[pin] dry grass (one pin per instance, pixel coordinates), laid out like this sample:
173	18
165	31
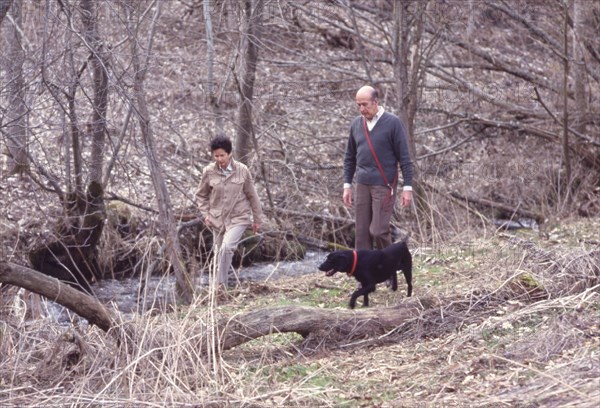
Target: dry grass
517	325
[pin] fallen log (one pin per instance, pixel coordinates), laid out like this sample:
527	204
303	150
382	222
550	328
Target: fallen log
342	221
306	240
539	218
343	324
77	301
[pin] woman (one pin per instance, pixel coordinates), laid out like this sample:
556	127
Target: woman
228	203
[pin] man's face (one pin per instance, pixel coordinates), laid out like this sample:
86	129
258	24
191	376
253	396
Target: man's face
366	105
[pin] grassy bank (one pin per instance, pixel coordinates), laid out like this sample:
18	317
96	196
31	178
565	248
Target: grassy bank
513	321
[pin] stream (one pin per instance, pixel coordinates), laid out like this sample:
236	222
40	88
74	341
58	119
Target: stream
160	290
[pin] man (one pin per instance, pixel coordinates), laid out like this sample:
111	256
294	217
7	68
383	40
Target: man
377	143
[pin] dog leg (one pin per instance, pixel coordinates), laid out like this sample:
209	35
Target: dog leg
368	289
353	298
358	293
408	276
394	280
364	292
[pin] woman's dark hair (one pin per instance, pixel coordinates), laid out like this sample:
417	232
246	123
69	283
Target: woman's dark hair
221	142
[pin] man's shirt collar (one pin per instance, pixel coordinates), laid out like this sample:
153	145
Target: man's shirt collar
371	123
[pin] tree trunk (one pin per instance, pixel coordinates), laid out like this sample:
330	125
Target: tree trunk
341	324
75	139
16	141
73	257
501	206
100	102
407	83
210	67
580	112
566	156
80	303
251	37
165	209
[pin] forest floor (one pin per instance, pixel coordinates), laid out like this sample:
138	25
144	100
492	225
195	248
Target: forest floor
515	323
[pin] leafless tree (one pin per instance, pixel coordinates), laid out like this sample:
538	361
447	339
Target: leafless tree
465	77
566	155
210	66
73	254
168	228
16	120
251	37
409	72
579	70
100	77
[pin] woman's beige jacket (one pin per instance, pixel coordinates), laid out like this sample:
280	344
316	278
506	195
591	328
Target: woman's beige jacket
228	200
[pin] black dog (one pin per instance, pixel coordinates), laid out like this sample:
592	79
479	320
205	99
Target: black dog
371	267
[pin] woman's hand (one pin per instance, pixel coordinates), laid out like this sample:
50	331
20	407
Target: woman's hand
256	227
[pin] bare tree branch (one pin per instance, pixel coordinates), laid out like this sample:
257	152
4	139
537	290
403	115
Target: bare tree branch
165	209
554	45
508	66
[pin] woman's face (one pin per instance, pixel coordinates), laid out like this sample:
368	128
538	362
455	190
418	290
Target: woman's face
221	157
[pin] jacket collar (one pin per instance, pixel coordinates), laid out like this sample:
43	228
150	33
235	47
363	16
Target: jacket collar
230	167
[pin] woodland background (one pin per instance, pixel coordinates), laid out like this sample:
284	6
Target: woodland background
106	109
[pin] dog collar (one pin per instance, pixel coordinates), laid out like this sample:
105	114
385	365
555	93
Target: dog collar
354	262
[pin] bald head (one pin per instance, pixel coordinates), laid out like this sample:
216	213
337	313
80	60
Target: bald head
367	92
366	100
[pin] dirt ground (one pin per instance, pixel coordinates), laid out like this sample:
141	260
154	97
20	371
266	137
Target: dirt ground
512	320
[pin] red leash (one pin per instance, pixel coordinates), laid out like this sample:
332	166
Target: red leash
390	186
354	262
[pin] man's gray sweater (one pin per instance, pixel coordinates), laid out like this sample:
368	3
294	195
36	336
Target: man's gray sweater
389	140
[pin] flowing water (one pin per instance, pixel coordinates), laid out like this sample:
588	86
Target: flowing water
160	290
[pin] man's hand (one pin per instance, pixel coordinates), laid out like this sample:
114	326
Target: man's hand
406	198
256	227
347	197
